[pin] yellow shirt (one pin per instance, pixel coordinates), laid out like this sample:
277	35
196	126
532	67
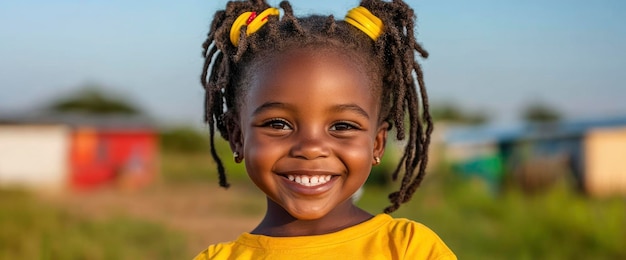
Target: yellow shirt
381	237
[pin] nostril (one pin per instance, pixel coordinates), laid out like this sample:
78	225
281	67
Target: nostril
310	144
309	152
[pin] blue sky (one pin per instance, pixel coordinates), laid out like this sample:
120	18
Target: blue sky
489	55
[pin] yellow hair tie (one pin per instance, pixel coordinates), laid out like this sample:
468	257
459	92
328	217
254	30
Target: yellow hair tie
252	20
365	21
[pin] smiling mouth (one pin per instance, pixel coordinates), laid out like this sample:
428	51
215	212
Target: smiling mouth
309	180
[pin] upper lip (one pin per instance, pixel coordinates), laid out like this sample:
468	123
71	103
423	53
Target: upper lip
307	172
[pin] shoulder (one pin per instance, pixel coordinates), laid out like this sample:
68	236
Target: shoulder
216	251
410	228
420	242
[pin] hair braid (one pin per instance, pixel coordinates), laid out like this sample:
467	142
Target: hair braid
399	38
330	25
291	19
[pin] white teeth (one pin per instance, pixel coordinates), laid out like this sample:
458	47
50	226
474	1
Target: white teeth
309	180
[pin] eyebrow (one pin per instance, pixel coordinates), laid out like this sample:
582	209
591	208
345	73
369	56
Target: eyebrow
268	105
350	107
335	109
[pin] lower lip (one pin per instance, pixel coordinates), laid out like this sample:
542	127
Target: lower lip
309	190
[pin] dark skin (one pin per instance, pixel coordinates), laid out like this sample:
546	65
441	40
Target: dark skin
277	222
309	114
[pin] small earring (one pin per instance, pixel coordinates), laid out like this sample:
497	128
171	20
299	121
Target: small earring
377	159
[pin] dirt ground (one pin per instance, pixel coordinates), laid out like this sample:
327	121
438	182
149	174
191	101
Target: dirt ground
204	212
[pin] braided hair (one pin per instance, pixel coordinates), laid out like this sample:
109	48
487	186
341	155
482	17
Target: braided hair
398	77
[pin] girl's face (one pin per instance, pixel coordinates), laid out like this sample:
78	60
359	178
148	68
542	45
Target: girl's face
309	131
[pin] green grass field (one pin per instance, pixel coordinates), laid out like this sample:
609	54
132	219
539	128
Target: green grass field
29	229
476	224
557	224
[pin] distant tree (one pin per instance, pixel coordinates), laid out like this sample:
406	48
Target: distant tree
184	139
540	112
93	100
452	113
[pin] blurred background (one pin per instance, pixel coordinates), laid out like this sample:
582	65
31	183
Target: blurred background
103	153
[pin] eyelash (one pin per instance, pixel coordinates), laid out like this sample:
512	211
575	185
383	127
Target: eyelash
271	123
276	121
350	126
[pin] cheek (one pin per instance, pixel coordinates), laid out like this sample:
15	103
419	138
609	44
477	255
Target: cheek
260	153
357	154
259	158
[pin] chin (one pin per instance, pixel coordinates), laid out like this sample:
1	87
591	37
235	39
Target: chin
308	217
308	214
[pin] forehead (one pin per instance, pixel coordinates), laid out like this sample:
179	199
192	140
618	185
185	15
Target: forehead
330	54
303	74
311	64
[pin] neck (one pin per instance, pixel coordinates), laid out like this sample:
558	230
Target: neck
279	223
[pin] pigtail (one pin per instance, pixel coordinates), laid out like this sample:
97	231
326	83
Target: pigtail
220	57
398	46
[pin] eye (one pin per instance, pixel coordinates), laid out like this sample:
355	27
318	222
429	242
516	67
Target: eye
343	126
278	124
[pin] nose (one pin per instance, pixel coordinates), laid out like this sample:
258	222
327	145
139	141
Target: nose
310	144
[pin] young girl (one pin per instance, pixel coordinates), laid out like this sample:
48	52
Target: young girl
307	103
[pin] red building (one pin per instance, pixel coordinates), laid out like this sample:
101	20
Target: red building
87	151
102	156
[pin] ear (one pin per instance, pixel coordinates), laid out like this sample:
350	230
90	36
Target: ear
235	136
380	141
